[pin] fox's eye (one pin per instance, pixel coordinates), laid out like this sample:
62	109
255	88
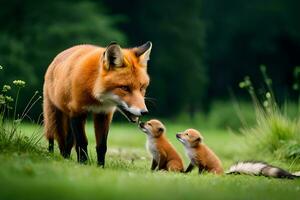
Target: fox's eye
125	88
149	124
143	90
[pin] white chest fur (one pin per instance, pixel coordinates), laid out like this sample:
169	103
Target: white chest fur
107	103
152	148
191	154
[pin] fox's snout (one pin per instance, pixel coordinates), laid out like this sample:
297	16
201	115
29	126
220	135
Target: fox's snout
131	112
142	124
136	111
143	127
179	137
144	112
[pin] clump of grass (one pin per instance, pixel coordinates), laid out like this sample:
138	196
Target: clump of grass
11	139
275	132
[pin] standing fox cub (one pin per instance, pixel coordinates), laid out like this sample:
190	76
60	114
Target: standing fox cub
87	78
164	154
200	155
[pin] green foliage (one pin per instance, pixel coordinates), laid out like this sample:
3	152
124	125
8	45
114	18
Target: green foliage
275	132
222	115
40	30
200	47
243	34
296	85
11	139
226	115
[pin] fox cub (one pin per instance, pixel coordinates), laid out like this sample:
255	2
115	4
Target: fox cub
200	155
164	154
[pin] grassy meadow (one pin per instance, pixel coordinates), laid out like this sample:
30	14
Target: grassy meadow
36	174
205	52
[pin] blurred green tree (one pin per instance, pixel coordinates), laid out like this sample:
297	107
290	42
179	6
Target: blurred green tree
242	35
33	32
200	47
176	66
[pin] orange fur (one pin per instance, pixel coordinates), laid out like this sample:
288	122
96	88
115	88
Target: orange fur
74	77
200	154
79	77
163	152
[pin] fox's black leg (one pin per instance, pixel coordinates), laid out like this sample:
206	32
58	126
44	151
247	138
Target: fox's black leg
189	168
201	169
162	163
154	164
101	125
77	127
69	143
51	145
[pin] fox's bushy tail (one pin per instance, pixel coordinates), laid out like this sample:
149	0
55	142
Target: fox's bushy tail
261	169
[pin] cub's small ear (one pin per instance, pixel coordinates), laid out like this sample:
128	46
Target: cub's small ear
160	130
200	139
113	56
143	52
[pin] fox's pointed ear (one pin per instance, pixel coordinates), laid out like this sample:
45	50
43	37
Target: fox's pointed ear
113	56
143	52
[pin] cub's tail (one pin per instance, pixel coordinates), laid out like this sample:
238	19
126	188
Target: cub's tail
297	174
261	169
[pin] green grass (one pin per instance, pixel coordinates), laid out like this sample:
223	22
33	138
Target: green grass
39	175
276	131
276	135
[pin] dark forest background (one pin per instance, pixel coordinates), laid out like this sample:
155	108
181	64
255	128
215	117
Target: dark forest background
201	50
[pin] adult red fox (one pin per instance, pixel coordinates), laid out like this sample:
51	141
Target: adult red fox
87	78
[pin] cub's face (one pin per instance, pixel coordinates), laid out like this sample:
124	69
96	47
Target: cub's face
190	137
153	128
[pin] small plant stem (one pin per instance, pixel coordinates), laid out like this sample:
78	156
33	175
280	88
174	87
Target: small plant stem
28	104
29	108
16	103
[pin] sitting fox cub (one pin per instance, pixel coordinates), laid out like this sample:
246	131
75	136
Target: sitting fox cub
201	156
204	158
164	154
